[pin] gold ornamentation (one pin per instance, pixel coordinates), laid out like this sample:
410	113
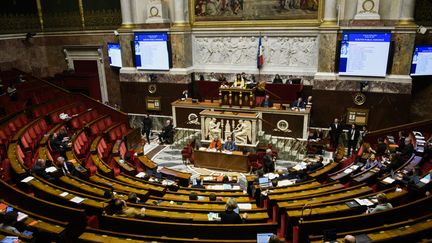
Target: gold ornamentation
359	98
152	88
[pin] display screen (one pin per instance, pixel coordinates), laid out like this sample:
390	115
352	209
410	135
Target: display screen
114	54
364	54
152	51
422	61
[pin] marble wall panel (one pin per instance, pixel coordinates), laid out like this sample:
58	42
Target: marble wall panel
327	52
402	56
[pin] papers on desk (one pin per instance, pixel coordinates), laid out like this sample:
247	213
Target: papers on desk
202	149
227	187
211	150
167	182
215	187
300	166
286	182
227	152
140	175
213	216
201	198
244	206
425	179
354	167
236	188
27	179
364	202
50	169
207	178
64	194
77	199
388	180
348	171
21	216
271	176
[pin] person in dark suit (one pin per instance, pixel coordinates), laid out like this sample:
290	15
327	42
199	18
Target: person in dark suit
185	94
230	216
408	149
277	79
335	132
166	136
381	148
299	104
353	135
65	167
267	102
147	125
268	161
39	169
58	143
229	145
401	140
198	184
313	166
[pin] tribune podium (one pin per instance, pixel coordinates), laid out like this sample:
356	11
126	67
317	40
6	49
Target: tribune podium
237	97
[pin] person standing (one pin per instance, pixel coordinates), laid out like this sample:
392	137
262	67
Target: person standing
335	132
147	124
353	135
269	161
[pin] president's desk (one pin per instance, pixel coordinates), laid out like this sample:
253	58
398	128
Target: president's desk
276	121
235	161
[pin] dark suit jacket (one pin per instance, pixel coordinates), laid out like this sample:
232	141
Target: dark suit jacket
298	104
407	150
381	149
270	104
147	124
70	168
356	135
230	217
335	132
40	171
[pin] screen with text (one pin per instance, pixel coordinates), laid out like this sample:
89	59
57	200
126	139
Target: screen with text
364	54
422	61
114	54
151	51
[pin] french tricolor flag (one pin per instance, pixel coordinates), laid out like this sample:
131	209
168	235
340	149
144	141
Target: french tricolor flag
260	56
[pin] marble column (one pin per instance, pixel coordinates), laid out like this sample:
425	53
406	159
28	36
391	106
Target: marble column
138	11
330	13
407	13
180	17
126	13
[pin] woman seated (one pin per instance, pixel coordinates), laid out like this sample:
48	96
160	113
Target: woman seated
231	214
383	204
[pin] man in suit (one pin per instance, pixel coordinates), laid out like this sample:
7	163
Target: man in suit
166	135
215	143
198	184
382	147
267	102
408	149
147	125
39	169
185	94
268	161
298	104
229	145
65	167
335	132
353	135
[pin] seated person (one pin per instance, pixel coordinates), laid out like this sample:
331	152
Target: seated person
251	83
381	148
383	204
58	144
371	162
198	184
317	134
277	79
133	198
166	136
215	143
9	221
193	196
413	177
308	103
408	149
185	94
230	216
121	209
314	166
267	102
229	145
298	104
225	84
239	82
39	169
66	167
12	92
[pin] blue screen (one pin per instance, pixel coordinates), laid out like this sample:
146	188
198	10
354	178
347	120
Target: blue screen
364	54
114	54
422	61
151	50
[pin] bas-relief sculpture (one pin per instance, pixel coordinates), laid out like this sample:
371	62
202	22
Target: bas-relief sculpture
216	10
242	51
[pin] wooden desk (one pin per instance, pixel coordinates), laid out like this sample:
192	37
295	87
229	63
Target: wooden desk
174	174
222	161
